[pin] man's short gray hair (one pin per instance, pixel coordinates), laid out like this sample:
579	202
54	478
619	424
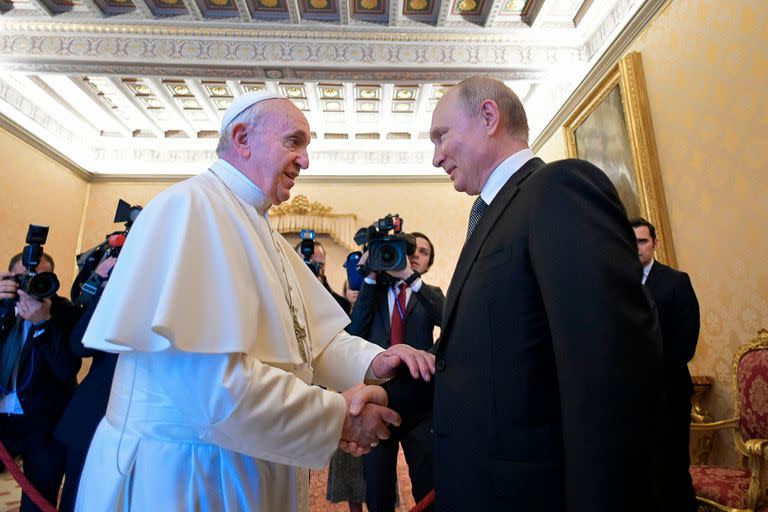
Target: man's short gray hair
251	116
473	91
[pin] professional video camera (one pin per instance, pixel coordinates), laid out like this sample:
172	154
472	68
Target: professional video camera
40	285
385	251
307	249
87	282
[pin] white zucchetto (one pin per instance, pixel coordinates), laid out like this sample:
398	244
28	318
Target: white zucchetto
244	101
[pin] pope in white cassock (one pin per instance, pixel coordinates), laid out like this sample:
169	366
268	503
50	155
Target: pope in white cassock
221	330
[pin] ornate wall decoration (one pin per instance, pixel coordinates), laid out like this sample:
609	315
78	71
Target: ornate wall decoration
612	128
301	213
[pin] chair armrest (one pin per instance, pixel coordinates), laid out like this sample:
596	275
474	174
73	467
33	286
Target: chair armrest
715	425
756	446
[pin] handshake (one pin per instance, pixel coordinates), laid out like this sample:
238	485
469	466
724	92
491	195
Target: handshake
368	418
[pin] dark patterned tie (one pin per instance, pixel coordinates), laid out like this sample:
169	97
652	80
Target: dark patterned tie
478	209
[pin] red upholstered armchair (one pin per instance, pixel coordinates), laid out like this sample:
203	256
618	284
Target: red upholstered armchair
741	488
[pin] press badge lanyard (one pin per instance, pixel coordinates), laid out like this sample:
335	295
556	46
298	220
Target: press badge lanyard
397	302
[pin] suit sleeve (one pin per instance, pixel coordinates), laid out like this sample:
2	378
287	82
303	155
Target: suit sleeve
362	314
684	323
435	300
607	353
52	338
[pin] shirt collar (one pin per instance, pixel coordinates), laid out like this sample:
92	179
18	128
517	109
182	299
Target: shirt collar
243	188
647	270
503	172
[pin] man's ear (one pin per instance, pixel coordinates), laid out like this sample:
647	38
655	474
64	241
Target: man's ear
489	112
240	139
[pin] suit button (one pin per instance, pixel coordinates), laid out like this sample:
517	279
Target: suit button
441	365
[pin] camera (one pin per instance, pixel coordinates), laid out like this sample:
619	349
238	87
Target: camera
88	282
307	249
385	251
39	285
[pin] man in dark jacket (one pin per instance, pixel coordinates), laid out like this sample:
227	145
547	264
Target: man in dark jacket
678	311
401	308
38	377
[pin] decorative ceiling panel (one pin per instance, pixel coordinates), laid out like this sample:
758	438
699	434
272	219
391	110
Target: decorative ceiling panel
149	86
218	8
320	10
269	10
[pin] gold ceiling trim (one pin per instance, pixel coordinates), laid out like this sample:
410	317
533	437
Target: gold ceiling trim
153	30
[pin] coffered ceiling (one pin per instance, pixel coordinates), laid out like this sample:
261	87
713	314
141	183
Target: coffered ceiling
139	86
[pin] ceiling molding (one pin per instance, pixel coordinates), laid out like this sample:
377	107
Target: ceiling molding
29	139
360	33
603	65
336	178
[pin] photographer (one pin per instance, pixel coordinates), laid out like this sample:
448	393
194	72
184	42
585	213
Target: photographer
398	307
89	403
317	265
37	378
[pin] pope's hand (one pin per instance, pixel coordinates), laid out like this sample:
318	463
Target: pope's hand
367	419
419	362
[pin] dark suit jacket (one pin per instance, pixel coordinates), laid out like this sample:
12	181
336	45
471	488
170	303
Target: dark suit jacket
549	351
678	311
371	320
89	403
47	369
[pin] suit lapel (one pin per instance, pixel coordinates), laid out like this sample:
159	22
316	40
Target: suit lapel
482	230
384	311
653	275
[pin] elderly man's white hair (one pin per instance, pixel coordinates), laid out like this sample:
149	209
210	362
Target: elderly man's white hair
241	110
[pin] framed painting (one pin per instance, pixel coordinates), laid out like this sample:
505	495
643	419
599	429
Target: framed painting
612	129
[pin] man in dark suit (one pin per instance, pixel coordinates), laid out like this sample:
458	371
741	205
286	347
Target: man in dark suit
678	311
37	375
549	362
403	309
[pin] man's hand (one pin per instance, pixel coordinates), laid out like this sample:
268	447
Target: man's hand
104	268
361	263
8	286
403	273
32	309
420	363
367	419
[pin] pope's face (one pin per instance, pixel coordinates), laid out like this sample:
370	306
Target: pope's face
279	150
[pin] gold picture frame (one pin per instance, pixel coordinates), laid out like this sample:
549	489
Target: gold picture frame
612	128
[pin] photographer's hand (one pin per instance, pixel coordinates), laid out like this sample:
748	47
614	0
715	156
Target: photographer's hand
105	267
8	286
403	273
362	262
32	309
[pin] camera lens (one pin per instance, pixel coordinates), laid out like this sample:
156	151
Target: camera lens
40	285
388	254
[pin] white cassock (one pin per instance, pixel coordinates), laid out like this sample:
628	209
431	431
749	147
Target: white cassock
211	406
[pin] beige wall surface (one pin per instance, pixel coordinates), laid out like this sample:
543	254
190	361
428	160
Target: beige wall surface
38	190
433	208
707	75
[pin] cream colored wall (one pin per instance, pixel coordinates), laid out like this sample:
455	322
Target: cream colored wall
38	190
707	75
553	149
433	208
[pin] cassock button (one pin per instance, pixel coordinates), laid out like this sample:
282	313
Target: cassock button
441	365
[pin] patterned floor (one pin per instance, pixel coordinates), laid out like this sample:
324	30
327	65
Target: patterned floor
10	492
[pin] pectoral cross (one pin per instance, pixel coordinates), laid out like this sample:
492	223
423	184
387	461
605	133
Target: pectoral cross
301	334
